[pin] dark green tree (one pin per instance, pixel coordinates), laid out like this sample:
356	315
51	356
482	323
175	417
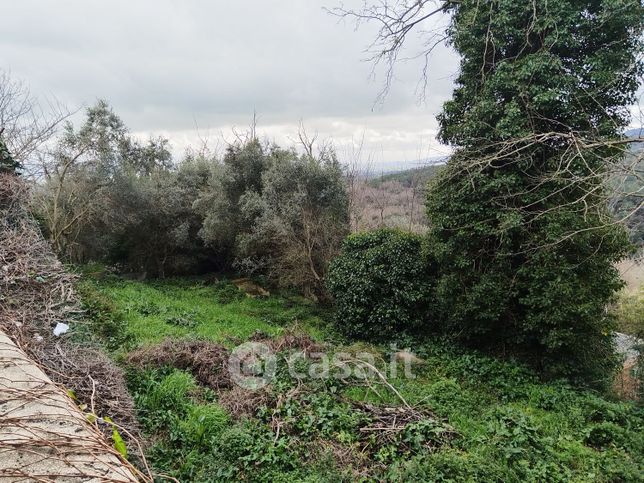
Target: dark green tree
298	222
519	220
7	163
520	226
239	172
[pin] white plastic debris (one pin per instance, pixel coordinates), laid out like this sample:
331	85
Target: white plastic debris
60	328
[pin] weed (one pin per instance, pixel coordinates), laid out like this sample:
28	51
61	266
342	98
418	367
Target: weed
474	418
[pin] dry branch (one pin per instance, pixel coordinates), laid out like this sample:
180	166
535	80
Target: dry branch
37	293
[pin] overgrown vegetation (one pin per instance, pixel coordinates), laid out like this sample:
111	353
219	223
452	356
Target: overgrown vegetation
36	295
277	213
519	261
382	286
519	222
260	209
471	418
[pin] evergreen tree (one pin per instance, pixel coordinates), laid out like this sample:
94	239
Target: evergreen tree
520	227
7	163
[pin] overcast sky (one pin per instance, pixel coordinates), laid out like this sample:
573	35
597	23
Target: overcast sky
168	67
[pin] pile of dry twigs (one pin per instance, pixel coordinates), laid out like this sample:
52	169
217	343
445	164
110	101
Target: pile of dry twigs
36	294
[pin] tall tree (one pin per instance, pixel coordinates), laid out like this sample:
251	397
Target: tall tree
519	216
239	173
83	174
297	222
519	220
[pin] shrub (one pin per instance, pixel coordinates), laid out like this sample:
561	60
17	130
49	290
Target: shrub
297	222
380	285
604	435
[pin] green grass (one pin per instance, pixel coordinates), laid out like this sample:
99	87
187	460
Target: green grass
514	427
178	308
510	426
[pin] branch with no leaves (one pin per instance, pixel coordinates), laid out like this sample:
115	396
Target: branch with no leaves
396	21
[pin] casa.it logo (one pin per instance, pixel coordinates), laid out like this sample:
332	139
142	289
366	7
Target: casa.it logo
252	365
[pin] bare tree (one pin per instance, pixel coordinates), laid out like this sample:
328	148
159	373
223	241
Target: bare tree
358	168
412	196
619	176
397	20
26	126
311	145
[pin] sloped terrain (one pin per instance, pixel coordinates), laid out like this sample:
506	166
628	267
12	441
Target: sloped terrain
36	297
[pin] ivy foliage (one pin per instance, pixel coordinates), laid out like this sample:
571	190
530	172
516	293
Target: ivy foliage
519	225
7	163
380	286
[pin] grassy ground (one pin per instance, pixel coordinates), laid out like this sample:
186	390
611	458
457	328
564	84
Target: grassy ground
153	311
472	418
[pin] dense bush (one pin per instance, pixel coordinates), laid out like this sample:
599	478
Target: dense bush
499	288
107	197
151	227
273	212
297	223
238	173
381	285
260	209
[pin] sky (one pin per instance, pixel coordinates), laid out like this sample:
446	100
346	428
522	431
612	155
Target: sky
197	69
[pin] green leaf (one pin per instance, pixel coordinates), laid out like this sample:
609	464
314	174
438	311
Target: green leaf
119	444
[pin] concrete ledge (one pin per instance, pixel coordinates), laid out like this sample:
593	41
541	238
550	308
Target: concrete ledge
43	435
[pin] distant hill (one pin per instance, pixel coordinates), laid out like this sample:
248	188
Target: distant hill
392	198
622	205
408	177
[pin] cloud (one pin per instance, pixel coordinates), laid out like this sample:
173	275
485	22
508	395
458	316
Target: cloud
168	66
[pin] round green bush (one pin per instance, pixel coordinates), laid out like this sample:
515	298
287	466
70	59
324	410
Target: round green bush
381	285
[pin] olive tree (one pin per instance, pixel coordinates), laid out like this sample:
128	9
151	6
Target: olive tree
297	222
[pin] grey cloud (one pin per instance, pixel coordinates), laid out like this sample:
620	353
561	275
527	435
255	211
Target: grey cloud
165	64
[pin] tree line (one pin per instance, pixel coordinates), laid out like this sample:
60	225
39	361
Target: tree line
259	209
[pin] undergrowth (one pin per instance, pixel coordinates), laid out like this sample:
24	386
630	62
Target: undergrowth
471	417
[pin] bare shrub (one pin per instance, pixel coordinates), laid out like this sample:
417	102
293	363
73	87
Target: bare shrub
37	293
207	361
